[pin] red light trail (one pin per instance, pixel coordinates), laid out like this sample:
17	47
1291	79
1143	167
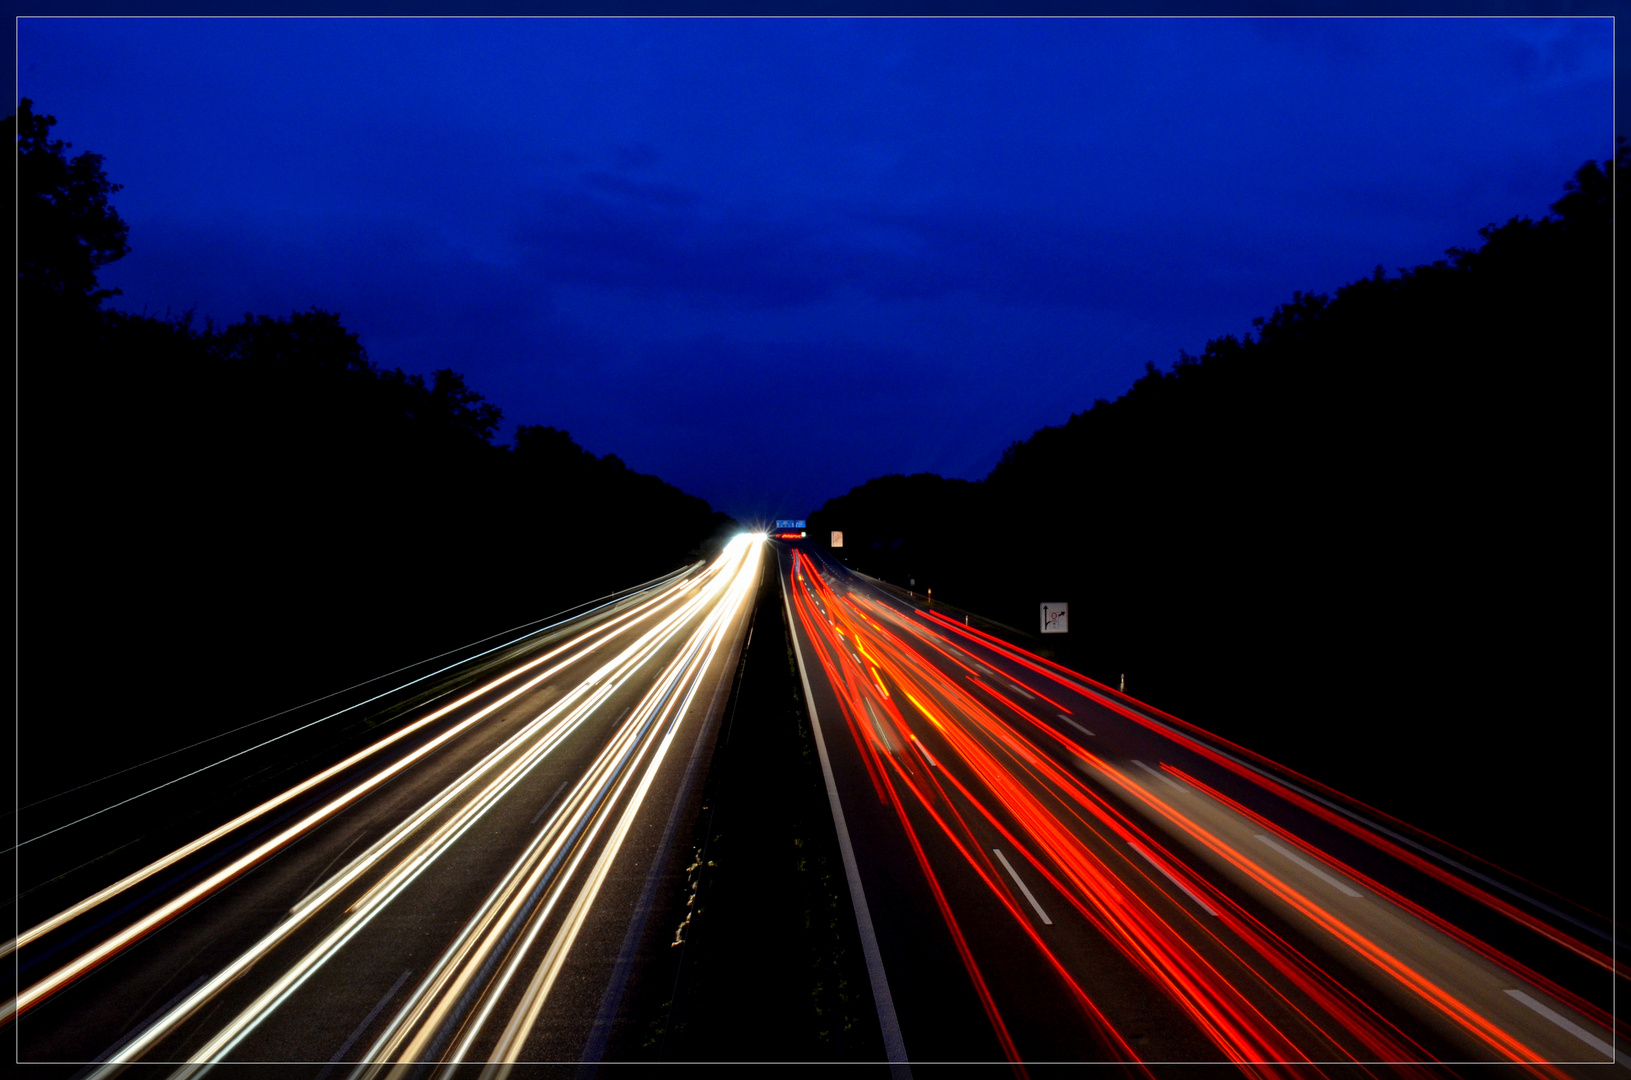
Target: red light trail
980	770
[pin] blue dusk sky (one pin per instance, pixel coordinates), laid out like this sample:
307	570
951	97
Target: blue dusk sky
769	259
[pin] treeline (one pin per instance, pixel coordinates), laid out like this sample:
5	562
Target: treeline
219	521
1372	538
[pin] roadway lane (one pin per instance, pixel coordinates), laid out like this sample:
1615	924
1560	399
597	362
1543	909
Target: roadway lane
466	887
1056	872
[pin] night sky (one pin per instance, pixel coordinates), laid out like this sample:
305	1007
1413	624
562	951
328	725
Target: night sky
768	260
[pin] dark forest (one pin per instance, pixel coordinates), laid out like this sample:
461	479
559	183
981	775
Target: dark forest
1371	538
254	515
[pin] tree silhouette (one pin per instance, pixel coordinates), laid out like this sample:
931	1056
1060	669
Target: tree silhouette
66	231
1383	511
264	499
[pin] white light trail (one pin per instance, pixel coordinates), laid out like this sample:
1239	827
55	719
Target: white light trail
578	646
614	597
418	1026
571	828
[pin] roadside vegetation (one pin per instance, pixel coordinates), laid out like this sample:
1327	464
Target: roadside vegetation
1370	537
218	522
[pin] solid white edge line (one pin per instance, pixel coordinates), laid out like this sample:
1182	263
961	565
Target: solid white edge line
1565	1023
1170	782
1008	866
1204	906
1306	865
894	1046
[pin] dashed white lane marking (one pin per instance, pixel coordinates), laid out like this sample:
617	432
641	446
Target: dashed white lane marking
1021	691
1043	915
1161	776
924	750
1074	724
1565	1023
883	736
1306	865
339	1055
1202	904
547	804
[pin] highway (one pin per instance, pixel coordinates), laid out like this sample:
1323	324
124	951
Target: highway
1045	869
473	884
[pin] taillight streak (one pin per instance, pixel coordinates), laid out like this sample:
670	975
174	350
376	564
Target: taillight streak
1595	1013
1082	878
1107	697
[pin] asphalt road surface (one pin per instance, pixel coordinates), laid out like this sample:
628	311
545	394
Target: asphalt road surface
1047	870
471	885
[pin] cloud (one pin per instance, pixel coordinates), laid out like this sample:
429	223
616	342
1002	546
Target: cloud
665	196
617	233
798	254
639	155
416	300
623	235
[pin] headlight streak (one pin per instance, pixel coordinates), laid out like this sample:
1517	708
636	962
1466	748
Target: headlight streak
564	828
610	599
399	879
586	641
99	954
610	676
582	644
986	778
512	1042
1087	883
444	995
